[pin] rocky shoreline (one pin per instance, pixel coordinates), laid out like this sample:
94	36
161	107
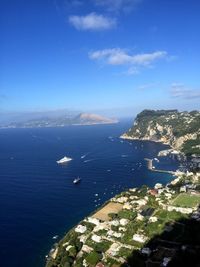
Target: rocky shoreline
179	130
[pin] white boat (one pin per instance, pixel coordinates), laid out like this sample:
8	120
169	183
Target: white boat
175	152
64	160
77	180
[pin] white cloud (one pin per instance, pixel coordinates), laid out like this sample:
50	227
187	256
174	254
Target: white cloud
132	71
93	22
148	86
117	56
178	90
117	5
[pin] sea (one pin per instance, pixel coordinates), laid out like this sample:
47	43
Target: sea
38	200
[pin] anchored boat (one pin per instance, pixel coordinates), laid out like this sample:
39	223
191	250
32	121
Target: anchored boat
64	160
77	180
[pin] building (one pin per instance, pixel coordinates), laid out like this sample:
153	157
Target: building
139	238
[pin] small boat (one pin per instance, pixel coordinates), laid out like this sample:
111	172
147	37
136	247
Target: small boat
64	160
77	180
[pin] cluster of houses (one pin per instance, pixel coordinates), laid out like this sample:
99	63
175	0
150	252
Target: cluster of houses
114	228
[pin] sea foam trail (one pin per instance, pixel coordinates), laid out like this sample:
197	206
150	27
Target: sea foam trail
88	160
83	156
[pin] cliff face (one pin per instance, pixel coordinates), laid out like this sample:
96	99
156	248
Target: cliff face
181	130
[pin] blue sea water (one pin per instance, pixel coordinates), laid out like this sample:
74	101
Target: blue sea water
38	199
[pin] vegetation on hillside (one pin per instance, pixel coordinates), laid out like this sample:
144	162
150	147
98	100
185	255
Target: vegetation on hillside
170	125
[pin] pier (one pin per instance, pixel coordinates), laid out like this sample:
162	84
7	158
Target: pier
152	168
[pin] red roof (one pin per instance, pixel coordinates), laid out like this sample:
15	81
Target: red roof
153	192
100	265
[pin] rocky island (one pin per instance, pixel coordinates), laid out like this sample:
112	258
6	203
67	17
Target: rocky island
90	119
140	227
60	121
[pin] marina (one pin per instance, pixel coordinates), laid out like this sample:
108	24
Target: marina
152	168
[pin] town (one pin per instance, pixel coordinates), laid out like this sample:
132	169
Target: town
140	227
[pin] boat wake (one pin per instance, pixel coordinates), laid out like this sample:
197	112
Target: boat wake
83	156
88	160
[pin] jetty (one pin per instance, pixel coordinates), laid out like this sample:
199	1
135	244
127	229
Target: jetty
152	168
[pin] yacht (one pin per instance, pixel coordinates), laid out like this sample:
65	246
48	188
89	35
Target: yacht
77	180
64	160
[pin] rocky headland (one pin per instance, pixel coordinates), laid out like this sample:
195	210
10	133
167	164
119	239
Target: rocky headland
180	130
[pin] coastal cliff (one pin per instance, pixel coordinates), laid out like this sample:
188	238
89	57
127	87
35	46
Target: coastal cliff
180	130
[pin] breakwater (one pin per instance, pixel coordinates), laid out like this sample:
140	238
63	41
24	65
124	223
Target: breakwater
152	168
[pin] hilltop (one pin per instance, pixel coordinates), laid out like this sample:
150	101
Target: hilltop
180	130
89	118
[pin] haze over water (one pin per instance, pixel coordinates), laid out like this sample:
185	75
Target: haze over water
38	198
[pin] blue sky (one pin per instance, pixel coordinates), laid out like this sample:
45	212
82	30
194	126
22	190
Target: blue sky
113	55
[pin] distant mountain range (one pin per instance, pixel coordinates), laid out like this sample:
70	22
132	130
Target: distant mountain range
60	121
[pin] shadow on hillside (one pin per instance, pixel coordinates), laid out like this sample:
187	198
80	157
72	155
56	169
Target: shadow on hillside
178	245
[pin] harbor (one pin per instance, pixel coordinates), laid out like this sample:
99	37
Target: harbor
152	168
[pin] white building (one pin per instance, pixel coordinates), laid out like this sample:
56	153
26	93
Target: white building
139	238
115	222
124	222
86	249
96	238
113	250
179	209
83	238
80	229
153	219
139	217
127	206
93	220
111	233
122	199
183	188
158	186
